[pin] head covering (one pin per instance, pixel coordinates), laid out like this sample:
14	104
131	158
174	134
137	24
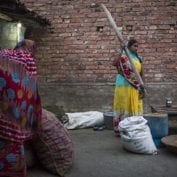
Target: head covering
26	44
20	59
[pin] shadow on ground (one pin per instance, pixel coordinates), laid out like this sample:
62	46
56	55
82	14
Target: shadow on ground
100	154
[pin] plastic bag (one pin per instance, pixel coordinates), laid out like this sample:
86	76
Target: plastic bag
84	119
136	135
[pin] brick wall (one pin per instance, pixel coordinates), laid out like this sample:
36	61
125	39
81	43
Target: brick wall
74	52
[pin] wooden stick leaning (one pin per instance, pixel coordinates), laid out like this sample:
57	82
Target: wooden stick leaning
113	24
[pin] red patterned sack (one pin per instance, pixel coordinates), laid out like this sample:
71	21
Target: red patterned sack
54	147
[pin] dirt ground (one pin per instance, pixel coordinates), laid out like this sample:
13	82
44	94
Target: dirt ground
100	154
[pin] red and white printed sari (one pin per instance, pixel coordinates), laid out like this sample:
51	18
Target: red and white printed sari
20	109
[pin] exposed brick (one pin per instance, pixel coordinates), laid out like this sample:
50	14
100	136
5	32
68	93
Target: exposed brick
80	42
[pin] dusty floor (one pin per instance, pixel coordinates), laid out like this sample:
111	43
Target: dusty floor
100	154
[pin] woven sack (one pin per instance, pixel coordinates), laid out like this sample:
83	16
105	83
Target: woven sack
54	147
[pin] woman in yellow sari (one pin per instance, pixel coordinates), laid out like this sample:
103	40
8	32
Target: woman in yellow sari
128	95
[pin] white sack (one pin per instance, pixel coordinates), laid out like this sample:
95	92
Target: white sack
84	119
136	135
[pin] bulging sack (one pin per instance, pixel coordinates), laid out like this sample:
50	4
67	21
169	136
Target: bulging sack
136	135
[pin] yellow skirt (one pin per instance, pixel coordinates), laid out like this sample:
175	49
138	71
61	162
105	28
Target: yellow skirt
127	102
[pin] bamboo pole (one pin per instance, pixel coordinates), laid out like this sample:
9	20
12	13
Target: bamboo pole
113	24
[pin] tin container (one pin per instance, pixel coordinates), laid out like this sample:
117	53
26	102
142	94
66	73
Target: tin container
168	102
108	120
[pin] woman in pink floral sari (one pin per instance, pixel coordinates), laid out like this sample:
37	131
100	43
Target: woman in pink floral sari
20	107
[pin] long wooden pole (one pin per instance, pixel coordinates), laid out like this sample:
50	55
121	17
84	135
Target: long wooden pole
113	24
